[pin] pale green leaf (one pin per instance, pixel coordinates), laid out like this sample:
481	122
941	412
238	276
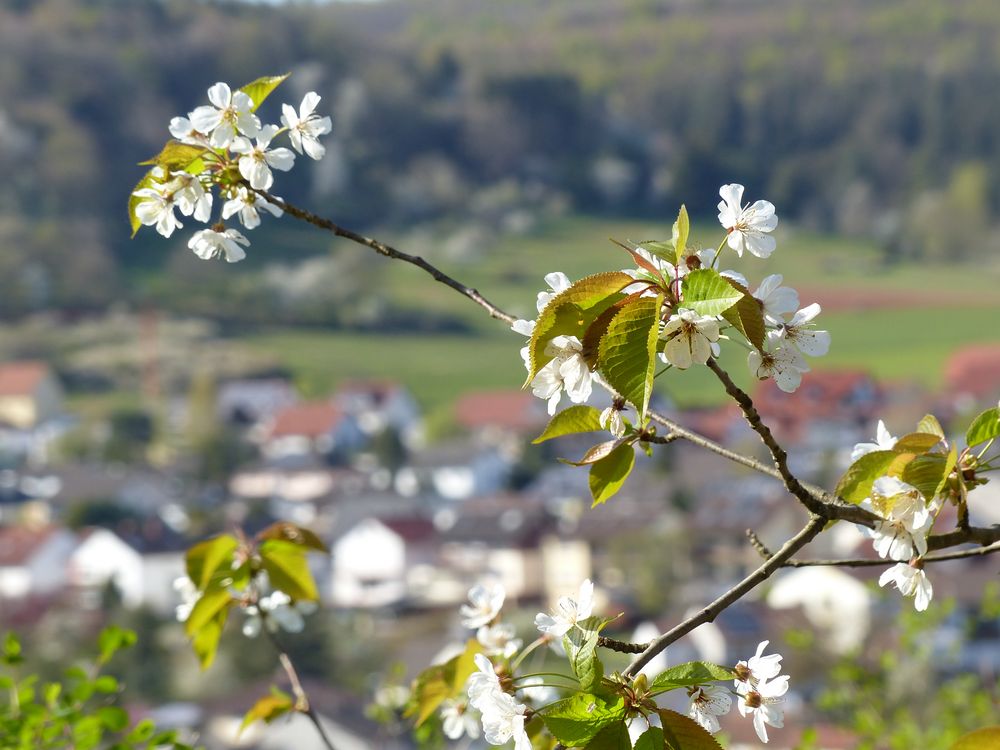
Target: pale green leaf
260	89
571	421
916	442
581	650
708	293
987	738
205	558
688	674
984	427
950	462
683	733
609	474
681	230
576	720
208	606
441	681
856	484
927	473
930	424
268	708
289	532
176	156
288	569
205	641
627	351
571	312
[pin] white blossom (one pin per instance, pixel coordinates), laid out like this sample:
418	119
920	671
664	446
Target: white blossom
276	611
503	720
749	227
568	612
558	282
911	581
758	667
779	361
525	328
245	203
884	441
209	243
156	208
907	519
483	683
191	197
708	702
566	371
305	126
189	596
689	338
183	130
232	112
456	720
486	600
498	640
799	332
776	301
256	161
611	420
763	700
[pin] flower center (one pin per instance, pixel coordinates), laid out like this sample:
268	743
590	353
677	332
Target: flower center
754	699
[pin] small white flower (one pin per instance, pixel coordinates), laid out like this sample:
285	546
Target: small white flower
456	720
884	441
191	196
568	612
776	301
183	130
305	127
393	697
256	161
483	683
566	371
276	611
253	623
708	702
157	209
231	112
758	667
503	720
498	640
245	203
689	338
749	227
908	519
486	600
780	361
611	420
799	332
911	581
763	701
189	596
209	243
525	328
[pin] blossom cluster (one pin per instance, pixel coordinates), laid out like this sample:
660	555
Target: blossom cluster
901	534
221	156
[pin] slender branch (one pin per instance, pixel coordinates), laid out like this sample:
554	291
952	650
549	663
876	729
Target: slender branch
621	646
390	252
737	592
865	562
302	704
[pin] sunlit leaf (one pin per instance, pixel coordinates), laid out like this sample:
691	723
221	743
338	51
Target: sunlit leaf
260	89
576	419
289	532
708	293
681	230
205	558
747	315
576	720
627	352
609	474
984	427
683	733
688	674
288	569
268	708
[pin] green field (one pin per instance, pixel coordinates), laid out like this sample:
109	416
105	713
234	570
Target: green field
894	341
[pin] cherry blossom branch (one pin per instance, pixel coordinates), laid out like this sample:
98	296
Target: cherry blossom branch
302	704
737	592
388	251
623	647
868	562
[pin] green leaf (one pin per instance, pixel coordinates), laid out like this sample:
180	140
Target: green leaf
141	731
747	315
632	249
267	709
113	718
207	608
951	460
987	738
289	532
609	474
442	681
576	720
681	230
288	569
614	737
627	352
927	473
688	674
112	639
591	341
708	293
916	442
11	650
600	451
176	156
205	640
581	649
651	739
984	427
571	312
571	421
106	684
205	558
260	89
856	484
930	425
683	733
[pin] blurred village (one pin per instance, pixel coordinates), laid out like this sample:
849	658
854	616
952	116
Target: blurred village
95	517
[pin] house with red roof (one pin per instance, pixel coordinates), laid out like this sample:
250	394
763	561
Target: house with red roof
501	411
377	405
29	394
33	560
974	371
311	428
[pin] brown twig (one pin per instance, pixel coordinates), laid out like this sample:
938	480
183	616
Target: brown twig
302	704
